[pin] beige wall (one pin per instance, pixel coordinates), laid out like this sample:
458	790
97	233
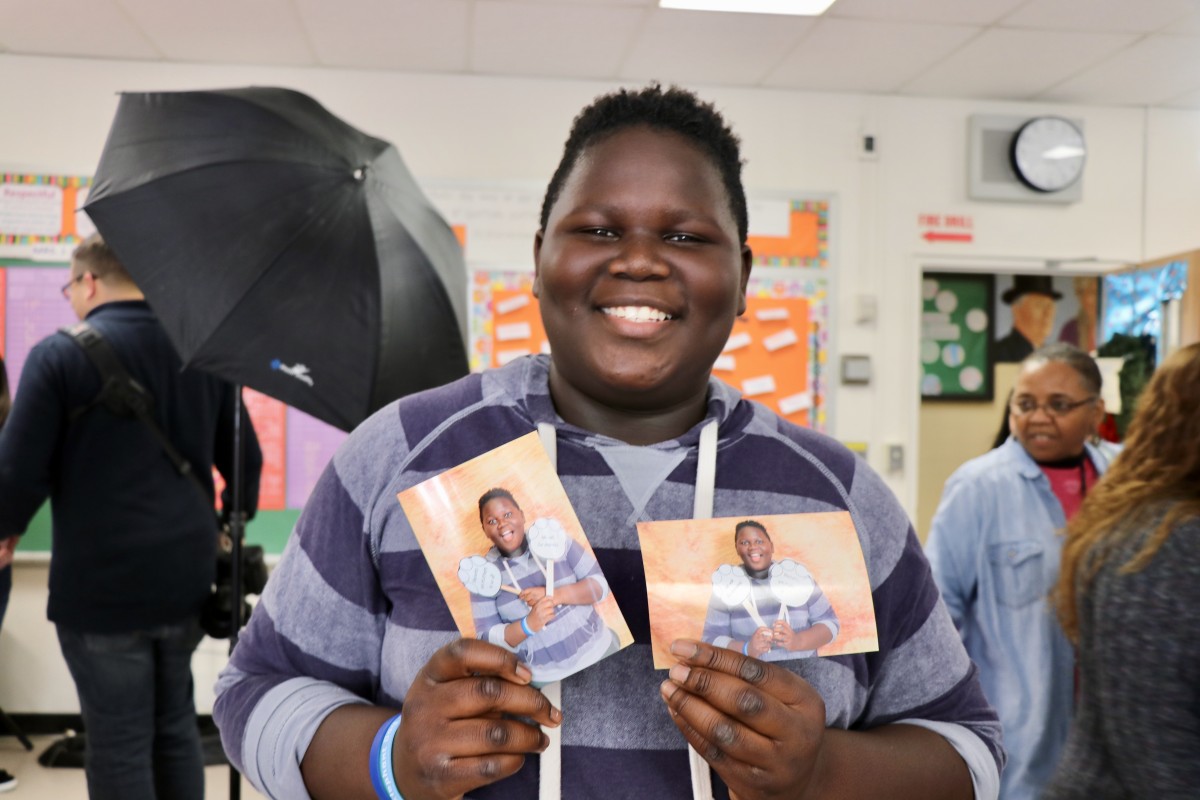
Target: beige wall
952	433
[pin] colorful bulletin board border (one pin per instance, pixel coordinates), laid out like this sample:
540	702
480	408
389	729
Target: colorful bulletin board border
505	324
39	220
806	243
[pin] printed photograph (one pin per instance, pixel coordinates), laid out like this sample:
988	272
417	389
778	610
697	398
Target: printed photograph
513	562
775	587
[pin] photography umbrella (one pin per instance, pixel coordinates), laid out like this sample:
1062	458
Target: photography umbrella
282	248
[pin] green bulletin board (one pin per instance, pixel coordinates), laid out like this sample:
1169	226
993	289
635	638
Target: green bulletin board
956	336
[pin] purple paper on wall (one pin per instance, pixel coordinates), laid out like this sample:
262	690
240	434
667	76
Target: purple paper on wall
35	309
310	445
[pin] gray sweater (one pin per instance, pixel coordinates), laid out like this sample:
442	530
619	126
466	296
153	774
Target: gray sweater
1137	728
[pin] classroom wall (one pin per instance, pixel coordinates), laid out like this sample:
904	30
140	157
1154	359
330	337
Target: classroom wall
1140	199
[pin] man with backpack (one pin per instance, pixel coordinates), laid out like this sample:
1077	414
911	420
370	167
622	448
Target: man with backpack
134	541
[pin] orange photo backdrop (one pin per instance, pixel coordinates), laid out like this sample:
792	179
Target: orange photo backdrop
444	514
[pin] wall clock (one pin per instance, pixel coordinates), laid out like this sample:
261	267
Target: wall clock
1048	153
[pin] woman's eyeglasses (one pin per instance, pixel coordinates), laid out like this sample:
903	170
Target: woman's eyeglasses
1055	406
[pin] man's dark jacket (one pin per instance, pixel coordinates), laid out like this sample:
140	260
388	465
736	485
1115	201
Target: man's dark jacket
133	540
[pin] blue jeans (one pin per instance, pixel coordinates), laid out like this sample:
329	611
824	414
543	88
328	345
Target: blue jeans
135	691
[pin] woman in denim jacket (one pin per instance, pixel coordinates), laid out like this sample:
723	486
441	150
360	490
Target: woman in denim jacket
994	549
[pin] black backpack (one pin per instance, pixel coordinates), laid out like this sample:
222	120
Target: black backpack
123	396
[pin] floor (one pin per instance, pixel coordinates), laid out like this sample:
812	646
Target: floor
36	782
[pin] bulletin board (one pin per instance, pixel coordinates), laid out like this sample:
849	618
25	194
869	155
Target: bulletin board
957	329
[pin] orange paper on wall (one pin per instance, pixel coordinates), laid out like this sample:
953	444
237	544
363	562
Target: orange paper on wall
802	240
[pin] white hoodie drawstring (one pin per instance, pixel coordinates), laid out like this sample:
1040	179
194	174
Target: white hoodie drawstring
550	774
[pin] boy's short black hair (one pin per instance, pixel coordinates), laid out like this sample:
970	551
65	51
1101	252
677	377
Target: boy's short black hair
750	523
492	494
673	109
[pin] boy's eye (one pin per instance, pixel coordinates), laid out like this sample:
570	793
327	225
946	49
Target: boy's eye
682	237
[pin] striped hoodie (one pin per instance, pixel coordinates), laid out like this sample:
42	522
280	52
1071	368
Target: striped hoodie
352	612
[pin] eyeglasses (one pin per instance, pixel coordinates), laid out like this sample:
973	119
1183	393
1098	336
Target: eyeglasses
1055	407
66	287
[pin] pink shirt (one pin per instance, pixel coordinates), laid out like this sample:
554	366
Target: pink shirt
1070	484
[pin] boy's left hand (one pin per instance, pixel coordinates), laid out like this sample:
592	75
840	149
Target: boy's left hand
760	726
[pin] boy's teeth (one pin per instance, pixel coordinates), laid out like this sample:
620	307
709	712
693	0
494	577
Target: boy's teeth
638	313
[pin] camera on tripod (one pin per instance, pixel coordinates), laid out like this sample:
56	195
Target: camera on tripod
216	618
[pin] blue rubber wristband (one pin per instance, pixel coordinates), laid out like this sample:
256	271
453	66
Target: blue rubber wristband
746	648
525	626
383	779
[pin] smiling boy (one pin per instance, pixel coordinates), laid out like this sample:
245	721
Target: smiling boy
641	268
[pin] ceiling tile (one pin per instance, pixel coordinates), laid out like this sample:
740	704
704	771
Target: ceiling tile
71	28
551	40
973	12
1006	64
224	31
1186	100
1116	16
1189	24
1150	72
858	56
687	46
411	35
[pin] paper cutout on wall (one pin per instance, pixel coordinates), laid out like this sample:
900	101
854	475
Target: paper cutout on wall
806	243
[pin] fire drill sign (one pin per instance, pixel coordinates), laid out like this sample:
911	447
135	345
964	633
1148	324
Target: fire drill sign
937	228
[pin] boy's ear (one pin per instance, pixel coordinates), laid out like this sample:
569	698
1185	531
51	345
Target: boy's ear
537	266
747	263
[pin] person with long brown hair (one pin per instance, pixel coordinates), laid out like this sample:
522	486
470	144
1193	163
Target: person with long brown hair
1129	597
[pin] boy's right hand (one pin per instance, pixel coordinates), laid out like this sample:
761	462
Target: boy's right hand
541	613
457	732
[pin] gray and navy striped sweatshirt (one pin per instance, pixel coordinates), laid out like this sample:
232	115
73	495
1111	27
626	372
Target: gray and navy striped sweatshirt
352	612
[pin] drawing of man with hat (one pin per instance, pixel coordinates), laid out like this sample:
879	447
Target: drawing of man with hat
1033	299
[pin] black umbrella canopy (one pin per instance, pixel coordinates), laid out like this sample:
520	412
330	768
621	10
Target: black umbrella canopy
282	248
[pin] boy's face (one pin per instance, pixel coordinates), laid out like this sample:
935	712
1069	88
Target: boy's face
754	547
504	524
640	271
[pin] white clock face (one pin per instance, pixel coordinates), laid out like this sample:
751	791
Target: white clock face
1048	154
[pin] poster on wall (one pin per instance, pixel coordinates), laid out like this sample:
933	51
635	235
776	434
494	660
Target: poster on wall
957	327
1036	310
39	216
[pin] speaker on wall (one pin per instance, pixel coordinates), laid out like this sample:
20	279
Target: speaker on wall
991	174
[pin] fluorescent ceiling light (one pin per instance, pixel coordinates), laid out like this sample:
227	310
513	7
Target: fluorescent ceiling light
805	8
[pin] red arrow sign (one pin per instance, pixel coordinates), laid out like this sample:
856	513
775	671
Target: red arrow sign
935	236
